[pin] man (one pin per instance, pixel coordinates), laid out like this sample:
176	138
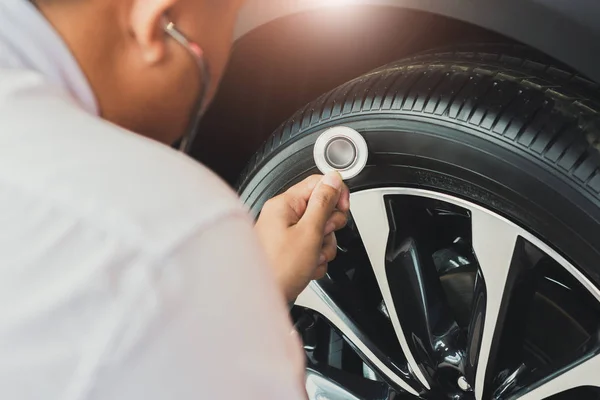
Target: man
127	270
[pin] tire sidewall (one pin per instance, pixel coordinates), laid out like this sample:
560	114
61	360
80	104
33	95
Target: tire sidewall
416	152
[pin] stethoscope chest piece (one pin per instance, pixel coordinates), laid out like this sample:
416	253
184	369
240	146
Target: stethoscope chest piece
341	149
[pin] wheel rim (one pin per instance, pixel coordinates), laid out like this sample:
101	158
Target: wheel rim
436	355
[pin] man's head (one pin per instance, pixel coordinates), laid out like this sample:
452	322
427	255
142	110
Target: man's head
144	80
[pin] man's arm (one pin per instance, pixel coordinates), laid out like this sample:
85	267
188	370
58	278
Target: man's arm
213	326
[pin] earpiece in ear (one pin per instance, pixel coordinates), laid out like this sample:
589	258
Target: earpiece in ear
164	22
176	34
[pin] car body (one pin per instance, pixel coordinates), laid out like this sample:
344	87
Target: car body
556	27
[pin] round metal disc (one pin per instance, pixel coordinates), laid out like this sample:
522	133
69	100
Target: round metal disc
340	153
341	149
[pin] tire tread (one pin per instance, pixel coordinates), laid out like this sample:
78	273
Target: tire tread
528	101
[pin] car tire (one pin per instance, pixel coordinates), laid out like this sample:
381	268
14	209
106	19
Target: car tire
503	128
508	132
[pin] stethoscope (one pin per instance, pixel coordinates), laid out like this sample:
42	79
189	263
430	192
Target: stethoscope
340	148
198	56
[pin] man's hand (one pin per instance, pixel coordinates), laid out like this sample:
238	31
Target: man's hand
297	229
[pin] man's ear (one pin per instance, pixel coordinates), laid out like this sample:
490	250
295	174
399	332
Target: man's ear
146	21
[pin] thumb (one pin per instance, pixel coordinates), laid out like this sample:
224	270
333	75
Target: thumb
322	201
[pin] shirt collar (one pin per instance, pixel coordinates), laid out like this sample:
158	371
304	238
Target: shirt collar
27	40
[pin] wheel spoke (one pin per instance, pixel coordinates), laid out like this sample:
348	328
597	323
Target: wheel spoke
421	306
316	299
584	373
494	242
370	215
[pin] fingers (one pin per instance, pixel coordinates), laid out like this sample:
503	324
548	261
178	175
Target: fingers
344	202
323	201
329	249
275	212
328	253
337	221
298	195
307	186
291	205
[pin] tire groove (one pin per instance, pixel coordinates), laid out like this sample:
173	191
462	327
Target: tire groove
501	112
572	142
372	84
432	91
301	119
387	89
591	177
324	106
464	102
349	88
333	100
454	96
409	89
580	160
528	122
480	98
557	135
360	92
535	137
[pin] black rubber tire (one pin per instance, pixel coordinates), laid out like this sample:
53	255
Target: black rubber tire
509	131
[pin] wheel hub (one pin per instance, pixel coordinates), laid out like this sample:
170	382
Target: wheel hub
435	297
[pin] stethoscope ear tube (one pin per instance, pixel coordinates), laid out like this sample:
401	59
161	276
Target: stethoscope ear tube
188	139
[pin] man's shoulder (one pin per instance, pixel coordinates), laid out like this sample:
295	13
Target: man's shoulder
54	150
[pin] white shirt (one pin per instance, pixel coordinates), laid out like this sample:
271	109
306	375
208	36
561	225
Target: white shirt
127	270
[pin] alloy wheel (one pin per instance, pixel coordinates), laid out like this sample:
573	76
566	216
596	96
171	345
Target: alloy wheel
435	297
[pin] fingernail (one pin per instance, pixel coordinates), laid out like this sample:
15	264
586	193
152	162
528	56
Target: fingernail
330	227
333	179
322	259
